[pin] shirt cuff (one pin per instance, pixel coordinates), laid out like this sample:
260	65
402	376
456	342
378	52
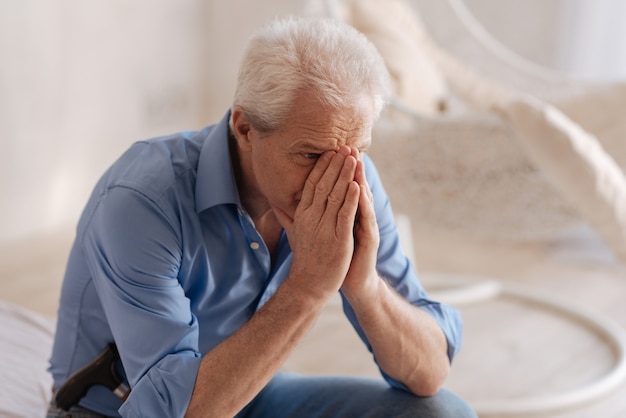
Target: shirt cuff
165	390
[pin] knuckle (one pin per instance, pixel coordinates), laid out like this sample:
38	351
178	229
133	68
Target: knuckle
321	188
343	217
334	199
309	186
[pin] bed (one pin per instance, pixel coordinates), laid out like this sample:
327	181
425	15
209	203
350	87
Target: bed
25	346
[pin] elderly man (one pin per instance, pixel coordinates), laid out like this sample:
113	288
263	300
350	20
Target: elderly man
206	256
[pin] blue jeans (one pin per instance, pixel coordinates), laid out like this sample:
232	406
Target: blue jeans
290	395
74	412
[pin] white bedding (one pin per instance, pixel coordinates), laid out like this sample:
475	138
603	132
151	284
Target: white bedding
25	346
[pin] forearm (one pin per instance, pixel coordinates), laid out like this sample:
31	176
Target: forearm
407	342
232	373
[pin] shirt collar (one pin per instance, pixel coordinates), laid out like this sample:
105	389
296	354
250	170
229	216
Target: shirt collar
215	181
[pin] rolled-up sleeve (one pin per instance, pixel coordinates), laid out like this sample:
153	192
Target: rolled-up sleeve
133	250
395	267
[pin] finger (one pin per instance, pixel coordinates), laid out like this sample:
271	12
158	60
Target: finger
359	175
366	203
308	192
366	229
360	178
355	153
331	176
347	212
337	196
283	219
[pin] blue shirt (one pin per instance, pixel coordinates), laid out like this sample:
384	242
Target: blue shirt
167	263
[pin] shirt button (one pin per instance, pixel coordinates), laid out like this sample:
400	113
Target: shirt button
254	245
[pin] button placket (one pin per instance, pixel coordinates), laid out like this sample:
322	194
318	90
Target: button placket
255	241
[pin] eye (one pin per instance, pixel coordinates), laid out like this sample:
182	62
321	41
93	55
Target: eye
311	155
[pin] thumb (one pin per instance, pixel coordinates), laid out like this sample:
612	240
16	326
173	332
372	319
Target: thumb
283	219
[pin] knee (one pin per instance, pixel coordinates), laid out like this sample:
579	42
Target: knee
444	404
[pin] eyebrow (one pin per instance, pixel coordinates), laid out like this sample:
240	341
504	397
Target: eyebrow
312	145
315	146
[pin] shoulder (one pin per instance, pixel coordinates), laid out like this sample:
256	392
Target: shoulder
155	166
158	173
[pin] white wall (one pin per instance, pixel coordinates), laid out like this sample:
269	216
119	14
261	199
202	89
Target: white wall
582	38
80	80
526	26
592	39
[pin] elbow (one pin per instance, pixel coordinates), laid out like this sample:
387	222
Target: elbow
425	390
428	382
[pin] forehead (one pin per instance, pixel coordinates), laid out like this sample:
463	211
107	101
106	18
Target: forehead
319	128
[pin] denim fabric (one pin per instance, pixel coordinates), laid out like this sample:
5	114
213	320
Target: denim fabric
167	263
289	395
73	412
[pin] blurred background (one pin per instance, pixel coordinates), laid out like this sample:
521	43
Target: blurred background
81	80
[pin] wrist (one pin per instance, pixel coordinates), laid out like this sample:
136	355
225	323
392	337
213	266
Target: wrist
308	298
366	290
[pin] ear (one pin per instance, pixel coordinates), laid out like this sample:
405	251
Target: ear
241	128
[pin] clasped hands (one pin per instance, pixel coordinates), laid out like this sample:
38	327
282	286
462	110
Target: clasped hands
333	234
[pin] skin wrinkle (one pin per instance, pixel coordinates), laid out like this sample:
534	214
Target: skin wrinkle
278	219
306	178
316	201
335	137
303	126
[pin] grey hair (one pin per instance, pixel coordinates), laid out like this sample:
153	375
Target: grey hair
326	57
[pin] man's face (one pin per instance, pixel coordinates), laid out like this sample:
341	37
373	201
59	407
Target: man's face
282	160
